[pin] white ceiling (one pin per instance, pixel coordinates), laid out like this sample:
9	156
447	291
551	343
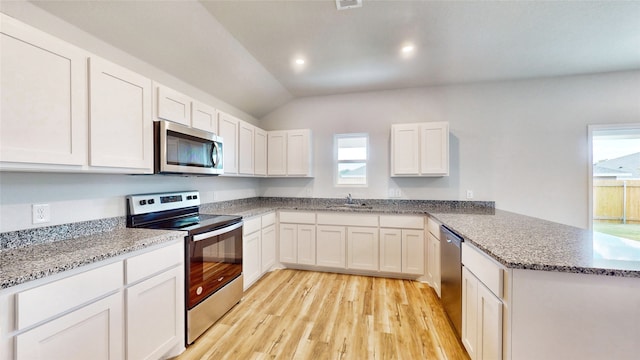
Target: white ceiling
242	52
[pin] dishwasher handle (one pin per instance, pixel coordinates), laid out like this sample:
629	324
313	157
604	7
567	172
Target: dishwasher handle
451	237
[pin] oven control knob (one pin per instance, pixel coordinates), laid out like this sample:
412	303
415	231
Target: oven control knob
143	202
195	197
189	197
151	201
199	290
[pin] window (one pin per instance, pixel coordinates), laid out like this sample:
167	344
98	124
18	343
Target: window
615	181
351	153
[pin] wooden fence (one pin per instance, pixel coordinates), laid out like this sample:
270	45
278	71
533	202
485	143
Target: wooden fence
616	201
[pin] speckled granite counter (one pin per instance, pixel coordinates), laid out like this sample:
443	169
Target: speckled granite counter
46	254
523	242
516	241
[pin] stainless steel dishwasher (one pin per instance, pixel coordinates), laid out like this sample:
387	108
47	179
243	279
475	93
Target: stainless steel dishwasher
451	276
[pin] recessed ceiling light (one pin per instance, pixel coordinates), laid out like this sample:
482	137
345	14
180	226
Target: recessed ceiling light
407	49
299	61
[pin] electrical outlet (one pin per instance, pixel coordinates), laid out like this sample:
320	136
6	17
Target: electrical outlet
398	193
41	213
309	192
469	194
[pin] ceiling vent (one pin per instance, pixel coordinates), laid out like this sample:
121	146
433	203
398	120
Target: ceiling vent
348	4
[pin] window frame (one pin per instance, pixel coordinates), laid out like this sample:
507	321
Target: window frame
337	162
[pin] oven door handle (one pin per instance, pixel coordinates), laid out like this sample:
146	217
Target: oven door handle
213	233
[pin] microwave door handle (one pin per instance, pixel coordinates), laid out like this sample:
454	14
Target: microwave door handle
213	233
215	154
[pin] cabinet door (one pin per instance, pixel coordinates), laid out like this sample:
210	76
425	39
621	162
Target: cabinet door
91	332
489	342
413	252
288	243
362	248
434	144
251	266
298	151
121	130
277	153
173	106
43	106
155	315
204	117
433	263
470	313
306	238
228	130
245	148
331	246
260	152
391	250
405	149
268	248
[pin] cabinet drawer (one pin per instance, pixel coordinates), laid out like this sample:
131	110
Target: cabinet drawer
402	221
153	262
434	227
484	268
251	225
40	303
347	219
297	217
268	219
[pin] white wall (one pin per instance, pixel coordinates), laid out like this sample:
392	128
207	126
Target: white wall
522	144
80	197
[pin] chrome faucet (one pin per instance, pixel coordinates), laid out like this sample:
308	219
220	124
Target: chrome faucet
349	199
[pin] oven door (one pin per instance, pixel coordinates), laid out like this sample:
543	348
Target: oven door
183	150
213	260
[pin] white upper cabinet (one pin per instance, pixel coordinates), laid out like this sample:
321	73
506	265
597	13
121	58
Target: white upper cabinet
260	152
420	149
277	153
299	152
245	148
289	153
44	97
121	128
172	105
204	117
228	129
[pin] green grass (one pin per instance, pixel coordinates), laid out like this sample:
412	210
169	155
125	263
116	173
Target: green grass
627	231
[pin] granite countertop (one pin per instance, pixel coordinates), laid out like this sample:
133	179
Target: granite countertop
516	241
26	263
523	242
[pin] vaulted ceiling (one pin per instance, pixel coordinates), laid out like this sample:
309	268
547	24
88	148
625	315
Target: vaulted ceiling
243	52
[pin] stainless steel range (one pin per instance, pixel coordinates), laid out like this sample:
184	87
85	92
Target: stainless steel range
213	253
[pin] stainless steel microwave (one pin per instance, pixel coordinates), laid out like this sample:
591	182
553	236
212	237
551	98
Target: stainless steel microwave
179	149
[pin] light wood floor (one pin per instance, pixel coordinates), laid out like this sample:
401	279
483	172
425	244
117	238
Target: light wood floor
291	314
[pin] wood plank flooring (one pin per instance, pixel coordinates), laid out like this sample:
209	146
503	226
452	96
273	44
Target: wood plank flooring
292	314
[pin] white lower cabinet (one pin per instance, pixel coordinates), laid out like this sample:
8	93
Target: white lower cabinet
362	248
129	308
331	246
251	267
91	332
433	262
297	237
402	251
391	250
268	247
481	319
154	315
